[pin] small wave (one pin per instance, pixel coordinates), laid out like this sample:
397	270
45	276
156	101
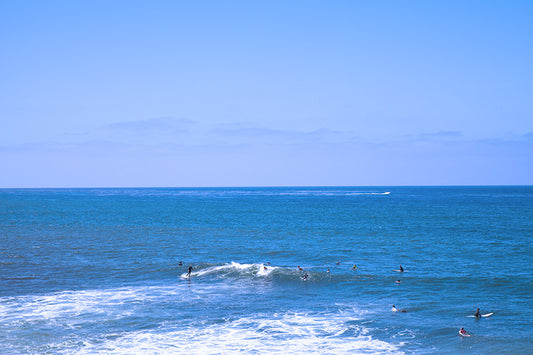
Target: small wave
254	271
235	269
18	278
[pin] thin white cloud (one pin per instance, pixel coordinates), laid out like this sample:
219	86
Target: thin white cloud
154	125
256	134
168	135
435	136
528	135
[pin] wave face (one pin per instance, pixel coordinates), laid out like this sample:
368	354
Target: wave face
105	270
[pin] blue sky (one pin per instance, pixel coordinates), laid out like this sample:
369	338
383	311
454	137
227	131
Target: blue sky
265	93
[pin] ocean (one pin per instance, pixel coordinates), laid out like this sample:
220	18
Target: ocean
86	271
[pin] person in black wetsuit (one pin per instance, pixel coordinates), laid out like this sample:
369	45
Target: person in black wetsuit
189	272
477	314
401	268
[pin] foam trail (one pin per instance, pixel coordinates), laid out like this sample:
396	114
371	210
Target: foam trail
368	193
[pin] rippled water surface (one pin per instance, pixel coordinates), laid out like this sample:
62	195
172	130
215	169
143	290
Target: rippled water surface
98	270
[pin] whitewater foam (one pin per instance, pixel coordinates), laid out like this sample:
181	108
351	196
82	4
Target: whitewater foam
71	313
277	333
235	269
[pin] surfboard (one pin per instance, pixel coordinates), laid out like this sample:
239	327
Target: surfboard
483	315
464	334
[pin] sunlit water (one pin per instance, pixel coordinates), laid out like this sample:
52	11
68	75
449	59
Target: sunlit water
97	270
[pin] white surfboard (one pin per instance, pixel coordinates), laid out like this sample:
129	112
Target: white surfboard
483	315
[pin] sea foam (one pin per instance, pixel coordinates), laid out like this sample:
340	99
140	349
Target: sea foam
71	313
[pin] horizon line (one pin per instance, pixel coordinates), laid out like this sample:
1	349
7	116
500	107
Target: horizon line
256	186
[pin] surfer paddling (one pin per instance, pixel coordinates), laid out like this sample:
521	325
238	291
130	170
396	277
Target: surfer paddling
394	309
463	332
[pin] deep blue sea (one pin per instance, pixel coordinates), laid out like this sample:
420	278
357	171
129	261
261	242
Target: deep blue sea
86	271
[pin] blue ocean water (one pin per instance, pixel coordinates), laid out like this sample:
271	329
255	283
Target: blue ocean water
98	270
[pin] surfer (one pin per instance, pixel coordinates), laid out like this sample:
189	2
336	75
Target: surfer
394	309
305	277
299	268
398	281
327	271
477	314
189	272
180	263
401	268
463	332
354	267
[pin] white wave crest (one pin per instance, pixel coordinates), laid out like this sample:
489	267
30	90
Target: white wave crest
252	270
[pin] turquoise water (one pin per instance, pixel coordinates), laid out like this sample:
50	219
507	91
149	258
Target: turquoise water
97	270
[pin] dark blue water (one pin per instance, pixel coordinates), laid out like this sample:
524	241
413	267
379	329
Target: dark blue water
97	270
